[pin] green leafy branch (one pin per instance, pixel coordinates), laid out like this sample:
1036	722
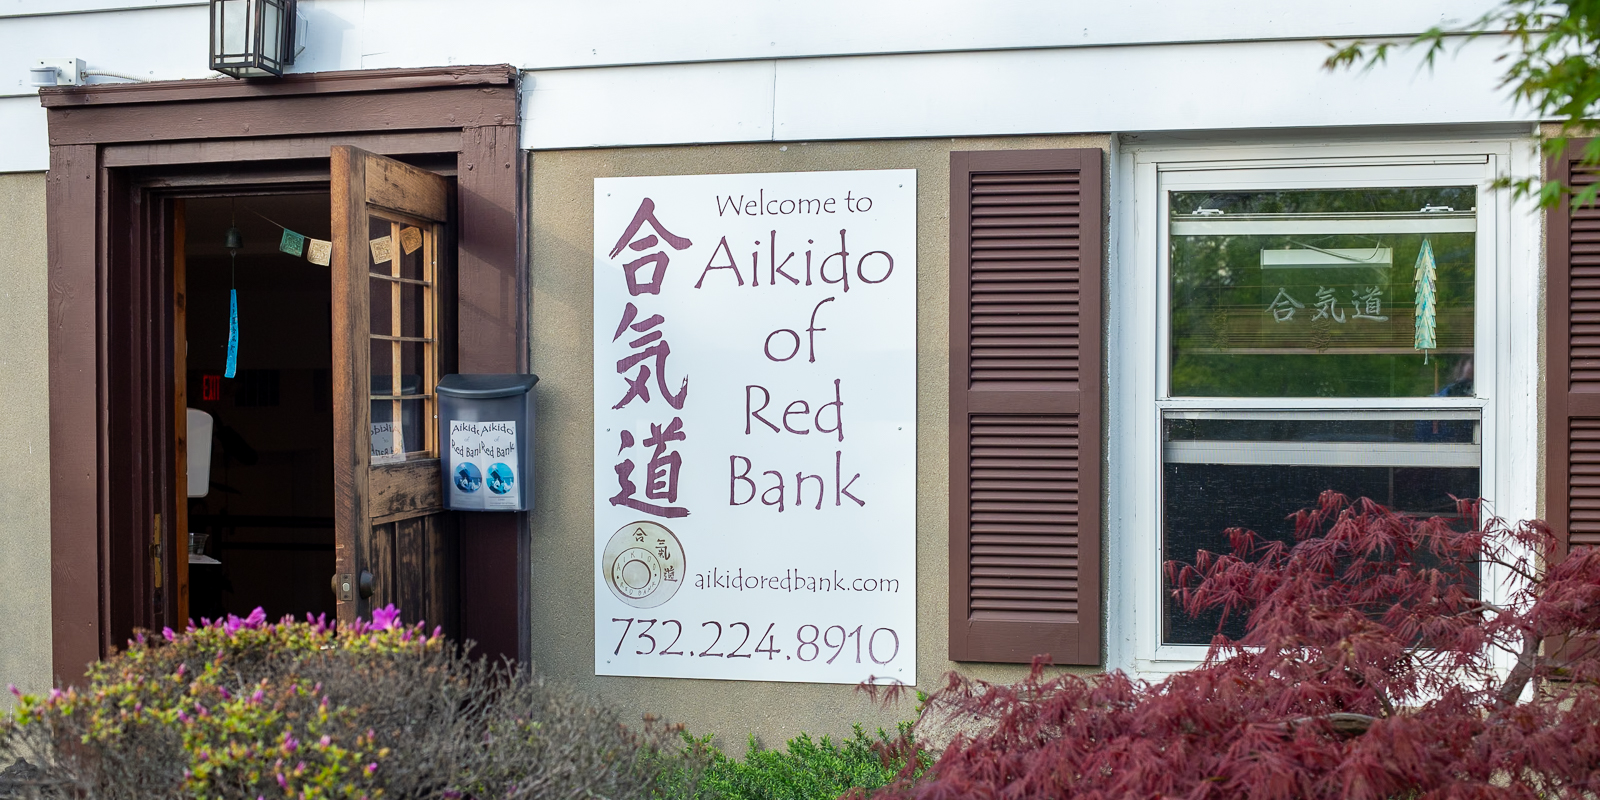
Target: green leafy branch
1554	67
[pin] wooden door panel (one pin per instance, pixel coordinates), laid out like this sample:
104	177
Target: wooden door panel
379	548
409	489
388	223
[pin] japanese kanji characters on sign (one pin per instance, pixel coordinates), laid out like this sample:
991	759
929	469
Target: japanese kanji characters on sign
755	426
1365	303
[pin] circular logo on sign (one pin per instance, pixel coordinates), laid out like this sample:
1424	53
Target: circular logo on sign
500	478
468	478
643	564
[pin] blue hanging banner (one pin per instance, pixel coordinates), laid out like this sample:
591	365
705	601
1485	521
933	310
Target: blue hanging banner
233	333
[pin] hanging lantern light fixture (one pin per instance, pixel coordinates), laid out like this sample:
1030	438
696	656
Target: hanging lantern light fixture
252	38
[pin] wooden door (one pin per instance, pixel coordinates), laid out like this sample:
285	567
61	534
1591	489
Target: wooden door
393	543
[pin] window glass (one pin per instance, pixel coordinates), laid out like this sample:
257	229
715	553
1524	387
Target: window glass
1322	293
403	356
1253	469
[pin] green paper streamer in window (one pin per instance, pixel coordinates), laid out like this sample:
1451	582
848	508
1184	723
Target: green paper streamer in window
1427	279
292	243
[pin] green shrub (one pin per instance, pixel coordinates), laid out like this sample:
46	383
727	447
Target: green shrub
805	770
245	709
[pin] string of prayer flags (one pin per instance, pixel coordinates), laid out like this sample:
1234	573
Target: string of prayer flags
410	239
382	249
1427	296
292	243
319	252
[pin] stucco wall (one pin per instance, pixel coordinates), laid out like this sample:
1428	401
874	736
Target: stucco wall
24	439
561	231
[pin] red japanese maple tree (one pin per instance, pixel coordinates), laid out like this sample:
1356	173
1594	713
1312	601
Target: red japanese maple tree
1369	669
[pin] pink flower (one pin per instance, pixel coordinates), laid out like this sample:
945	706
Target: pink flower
167	632
325	741
11	687
371	768
386	617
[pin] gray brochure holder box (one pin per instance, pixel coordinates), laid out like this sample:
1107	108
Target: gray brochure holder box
486	441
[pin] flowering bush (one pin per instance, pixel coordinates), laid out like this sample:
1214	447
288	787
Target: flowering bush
243	708
1371	669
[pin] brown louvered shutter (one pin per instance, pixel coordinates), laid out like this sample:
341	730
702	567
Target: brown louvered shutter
1572	361
1025	299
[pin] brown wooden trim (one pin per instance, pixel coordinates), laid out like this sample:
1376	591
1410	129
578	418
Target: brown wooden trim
492	304
214	151
76	487
292	116
491	281
346	81
180	408
241	180
351	418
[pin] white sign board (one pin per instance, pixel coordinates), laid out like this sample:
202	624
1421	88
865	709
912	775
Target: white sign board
755	426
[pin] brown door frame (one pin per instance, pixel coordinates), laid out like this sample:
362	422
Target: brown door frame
118	153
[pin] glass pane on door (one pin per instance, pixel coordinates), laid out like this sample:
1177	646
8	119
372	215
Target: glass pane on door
403	353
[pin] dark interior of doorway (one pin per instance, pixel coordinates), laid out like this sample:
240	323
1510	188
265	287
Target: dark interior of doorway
268	515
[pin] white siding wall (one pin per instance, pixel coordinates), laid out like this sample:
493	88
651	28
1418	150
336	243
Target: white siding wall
644	72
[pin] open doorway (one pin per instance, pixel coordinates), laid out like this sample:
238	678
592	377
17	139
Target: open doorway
121	158
264	522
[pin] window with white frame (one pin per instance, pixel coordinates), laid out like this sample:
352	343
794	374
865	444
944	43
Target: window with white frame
1327	324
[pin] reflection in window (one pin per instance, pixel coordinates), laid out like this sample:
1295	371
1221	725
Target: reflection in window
1323	293
1253	469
